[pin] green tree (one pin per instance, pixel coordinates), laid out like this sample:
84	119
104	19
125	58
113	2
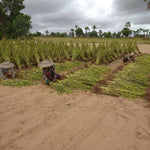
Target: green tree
79	32
93	34
72	32
13	7
114	35
86	29
11	17
21	25
47	32
100	32
119	34
76	27
94	27
128	25
126	32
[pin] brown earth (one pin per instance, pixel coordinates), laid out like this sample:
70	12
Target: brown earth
37	118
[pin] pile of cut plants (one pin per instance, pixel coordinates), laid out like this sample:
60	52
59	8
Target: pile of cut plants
32	76
132	81
82	79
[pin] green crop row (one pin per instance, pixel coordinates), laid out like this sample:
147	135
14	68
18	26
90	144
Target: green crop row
96	40
132	81
31	52
81	80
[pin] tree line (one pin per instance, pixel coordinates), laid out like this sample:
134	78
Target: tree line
125	32
86	32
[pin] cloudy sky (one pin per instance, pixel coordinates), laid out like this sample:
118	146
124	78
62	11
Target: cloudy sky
107	15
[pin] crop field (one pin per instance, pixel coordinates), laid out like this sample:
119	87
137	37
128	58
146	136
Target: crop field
26	53
95	40
71	113
71	58
132	81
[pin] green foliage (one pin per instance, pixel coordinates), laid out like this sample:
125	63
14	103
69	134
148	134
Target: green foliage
21	25
31	52
80	80
93	34
79	32
67	66
32	75
132	81
13	23
126	31
17	82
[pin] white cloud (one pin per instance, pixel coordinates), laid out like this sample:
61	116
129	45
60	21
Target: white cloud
108	15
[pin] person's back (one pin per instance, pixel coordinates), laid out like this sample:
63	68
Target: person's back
125	58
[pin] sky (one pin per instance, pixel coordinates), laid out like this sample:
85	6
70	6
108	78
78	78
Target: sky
107	15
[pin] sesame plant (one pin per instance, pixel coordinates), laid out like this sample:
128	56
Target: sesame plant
132	81
82	79
30	52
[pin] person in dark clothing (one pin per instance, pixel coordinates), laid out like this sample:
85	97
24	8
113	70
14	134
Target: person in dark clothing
126	58
49	74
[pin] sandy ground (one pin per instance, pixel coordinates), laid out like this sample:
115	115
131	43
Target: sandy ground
37	118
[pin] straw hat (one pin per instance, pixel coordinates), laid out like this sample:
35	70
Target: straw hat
6	65
45	63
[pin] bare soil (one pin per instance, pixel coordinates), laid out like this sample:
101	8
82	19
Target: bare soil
37	118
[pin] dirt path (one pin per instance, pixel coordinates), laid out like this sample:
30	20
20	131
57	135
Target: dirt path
37	118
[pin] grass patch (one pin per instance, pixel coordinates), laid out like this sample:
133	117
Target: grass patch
81	80
17	82
132	81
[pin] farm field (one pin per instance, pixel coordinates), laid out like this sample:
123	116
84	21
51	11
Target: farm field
96	40
37	117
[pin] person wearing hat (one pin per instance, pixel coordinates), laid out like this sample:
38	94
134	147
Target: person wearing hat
128	58
125	57
4	67
49	73
132	57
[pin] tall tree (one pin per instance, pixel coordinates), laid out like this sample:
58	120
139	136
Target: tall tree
119	34
126	32
76	27
86	29
128	25
100	32
94	27
46	32
72	32
93	34
13	7
21	25
79	32
11	17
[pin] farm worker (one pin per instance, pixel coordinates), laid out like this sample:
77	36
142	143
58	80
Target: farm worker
4	67
49	73
126	57
132	57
